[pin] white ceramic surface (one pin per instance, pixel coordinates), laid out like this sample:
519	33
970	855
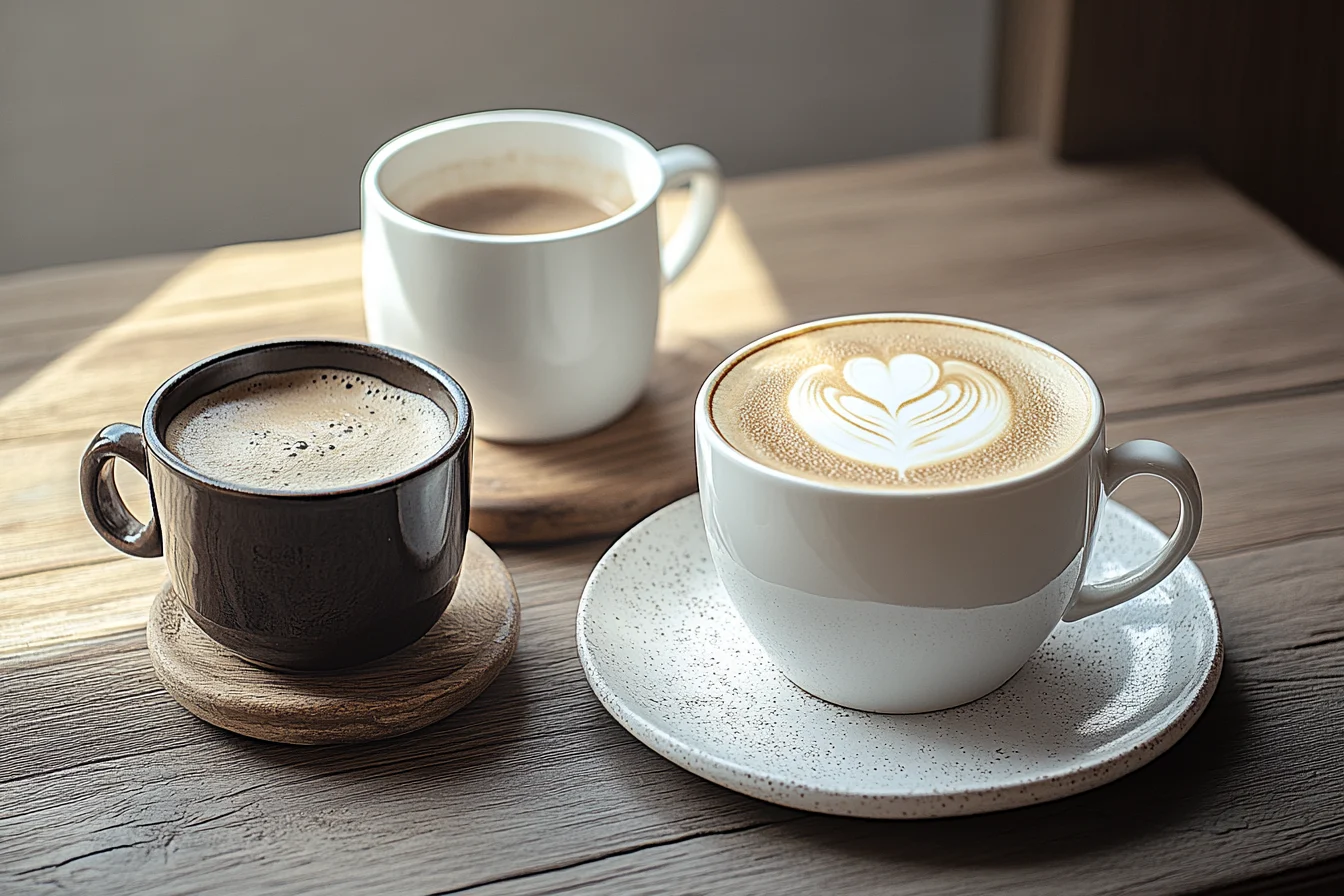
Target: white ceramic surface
913	600
550	334
670	659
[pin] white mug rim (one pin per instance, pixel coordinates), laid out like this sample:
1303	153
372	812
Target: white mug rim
611	130
704	423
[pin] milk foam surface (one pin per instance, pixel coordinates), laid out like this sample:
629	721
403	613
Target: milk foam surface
898	403
307	429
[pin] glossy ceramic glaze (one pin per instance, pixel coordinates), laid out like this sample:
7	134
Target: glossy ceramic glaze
298	580
551	334
670	658
891	600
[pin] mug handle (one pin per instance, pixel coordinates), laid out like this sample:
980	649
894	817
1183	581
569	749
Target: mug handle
102	502
1139	458
682	165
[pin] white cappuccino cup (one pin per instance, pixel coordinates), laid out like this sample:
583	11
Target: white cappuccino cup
908	595
551	334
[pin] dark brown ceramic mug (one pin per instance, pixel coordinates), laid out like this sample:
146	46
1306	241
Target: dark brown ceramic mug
295	580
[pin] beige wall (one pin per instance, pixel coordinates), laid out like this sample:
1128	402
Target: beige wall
133	126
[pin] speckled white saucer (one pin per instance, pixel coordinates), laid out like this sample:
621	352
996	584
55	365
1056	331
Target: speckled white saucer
667	655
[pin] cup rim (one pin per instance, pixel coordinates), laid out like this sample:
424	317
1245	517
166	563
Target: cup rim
460	436
373	168
704	423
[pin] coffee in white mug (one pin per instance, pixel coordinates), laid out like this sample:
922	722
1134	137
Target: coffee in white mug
521	249
517	209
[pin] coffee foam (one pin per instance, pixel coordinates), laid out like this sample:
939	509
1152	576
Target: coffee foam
902	403
307	429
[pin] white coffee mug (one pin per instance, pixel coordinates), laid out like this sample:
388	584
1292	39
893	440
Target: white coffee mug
551	334
913	601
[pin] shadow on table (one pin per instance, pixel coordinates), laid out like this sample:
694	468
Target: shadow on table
1191	779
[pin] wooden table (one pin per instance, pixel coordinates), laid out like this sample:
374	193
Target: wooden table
1205	323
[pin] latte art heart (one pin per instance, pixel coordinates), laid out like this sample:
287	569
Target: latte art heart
896	402
905	413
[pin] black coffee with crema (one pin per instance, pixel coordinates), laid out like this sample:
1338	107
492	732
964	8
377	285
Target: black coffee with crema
308	429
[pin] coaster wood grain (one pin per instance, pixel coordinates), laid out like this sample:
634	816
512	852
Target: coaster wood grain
422	684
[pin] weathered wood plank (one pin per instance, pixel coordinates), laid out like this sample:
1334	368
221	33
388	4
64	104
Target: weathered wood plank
120	788
40	524
47	609
1167	285
1181	298
1269	470
111	375
127	791
43	313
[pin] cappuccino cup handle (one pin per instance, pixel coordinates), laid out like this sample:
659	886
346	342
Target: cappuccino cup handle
692	165
102	502
1144	457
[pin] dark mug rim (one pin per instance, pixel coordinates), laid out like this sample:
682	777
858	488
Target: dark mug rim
176	392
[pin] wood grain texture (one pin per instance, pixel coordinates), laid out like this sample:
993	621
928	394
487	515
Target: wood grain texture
530	774
535	788
44	611
424	683
43	313
1167	286
1206	324
1268	470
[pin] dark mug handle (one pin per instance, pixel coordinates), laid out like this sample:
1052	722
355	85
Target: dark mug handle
102	502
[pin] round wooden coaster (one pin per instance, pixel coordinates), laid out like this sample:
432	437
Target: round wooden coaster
434	677
603	482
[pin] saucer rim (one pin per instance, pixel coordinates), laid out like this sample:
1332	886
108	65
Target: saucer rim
927	803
